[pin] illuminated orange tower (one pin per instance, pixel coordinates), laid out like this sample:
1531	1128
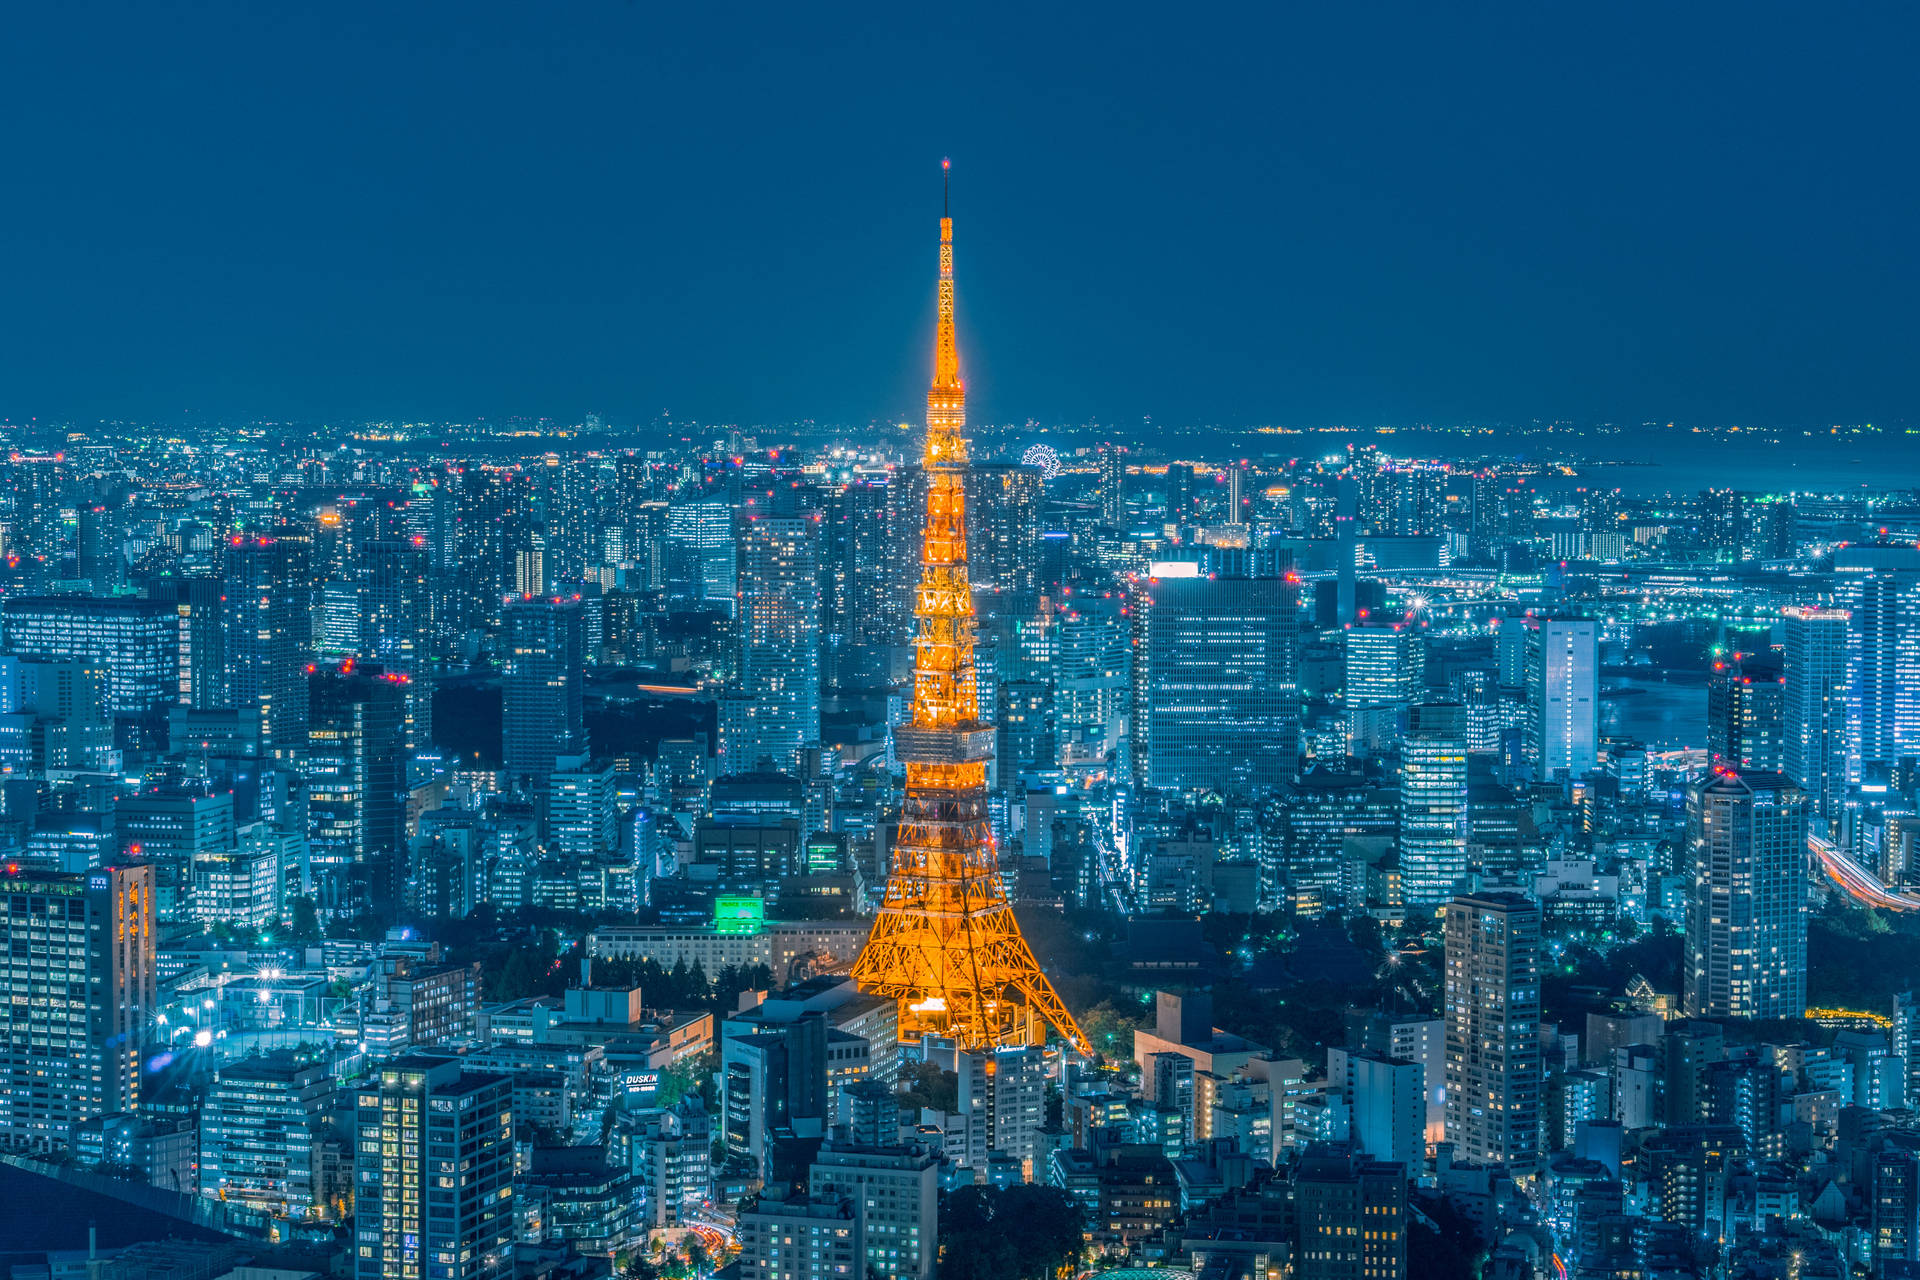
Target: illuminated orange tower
946	945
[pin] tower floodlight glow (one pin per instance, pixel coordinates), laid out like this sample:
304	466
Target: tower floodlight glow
946	945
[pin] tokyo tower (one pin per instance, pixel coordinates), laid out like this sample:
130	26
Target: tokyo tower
946	945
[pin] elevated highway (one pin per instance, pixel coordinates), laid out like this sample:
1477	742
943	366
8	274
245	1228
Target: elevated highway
1856	881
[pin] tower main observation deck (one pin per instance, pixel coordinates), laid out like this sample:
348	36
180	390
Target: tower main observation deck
946	945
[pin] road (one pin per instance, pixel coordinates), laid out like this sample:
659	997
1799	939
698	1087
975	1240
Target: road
1858	882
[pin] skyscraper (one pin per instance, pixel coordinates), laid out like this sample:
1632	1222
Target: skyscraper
1180	494
946	945
398	627
1112	460
1221	708
433	1183
1433	804
779	619
76	999
1746	700
266	634
132	646
700	550
543	716
1386	665
1004	505
1814	715
356	776
1879	586
1746	867
865	614
1563	697
1493	1029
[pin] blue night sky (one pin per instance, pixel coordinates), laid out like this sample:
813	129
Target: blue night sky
1335	214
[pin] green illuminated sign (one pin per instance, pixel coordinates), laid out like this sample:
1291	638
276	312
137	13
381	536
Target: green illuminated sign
738	915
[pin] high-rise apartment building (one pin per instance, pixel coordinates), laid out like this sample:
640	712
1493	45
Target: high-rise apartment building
1217	705
1814	712
75	1000
433	1181
779	624
1433	804
1112	461
1493	1029
1746	934
1563	697
1003	502
543	715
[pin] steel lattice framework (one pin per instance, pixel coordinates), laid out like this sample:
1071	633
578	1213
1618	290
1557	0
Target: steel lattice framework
946	944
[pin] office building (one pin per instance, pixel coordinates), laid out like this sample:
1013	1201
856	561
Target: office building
813	1237
700	551
1350	1215
433	1181
159	1150
773	1081
258	1127
1563	697
1180	494
130	646
1217	706
1433	804
1746	932
1387	1104
62	1058
1493	1029
1386	665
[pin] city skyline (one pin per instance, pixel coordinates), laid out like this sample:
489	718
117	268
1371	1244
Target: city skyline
643	848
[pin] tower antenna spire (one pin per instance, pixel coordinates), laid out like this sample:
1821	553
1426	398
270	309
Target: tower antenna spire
946	187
